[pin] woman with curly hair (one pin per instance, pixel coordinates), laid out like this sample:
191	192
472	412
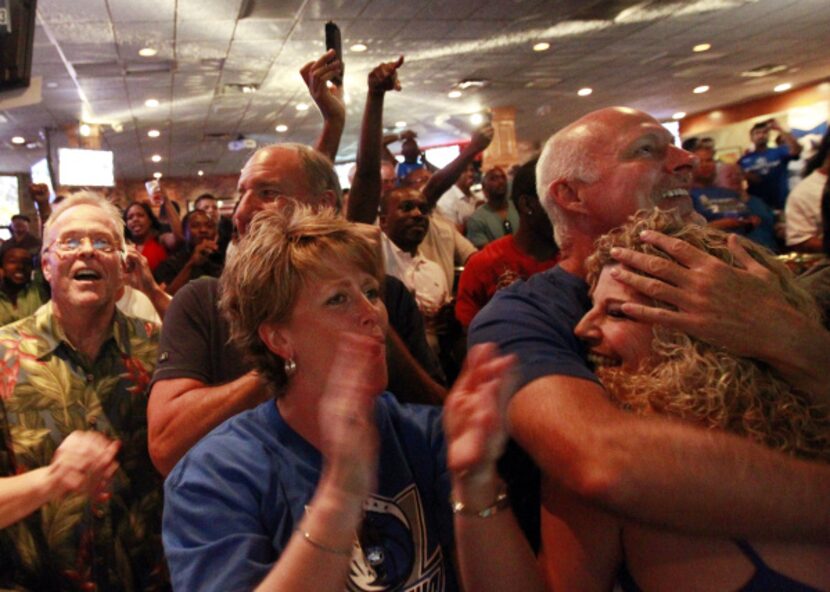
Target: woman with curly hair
653	370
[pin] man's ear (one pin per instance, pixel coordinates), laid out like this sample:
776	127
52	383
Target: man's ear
565	194
276	340
330	198
46	268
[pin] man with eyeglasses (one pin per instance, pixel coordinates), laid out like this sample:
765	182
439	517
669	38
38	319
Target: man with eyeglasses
496	218
80	364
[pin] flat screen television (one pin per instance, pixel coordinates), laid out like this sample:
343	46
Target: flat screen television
17	37
85	168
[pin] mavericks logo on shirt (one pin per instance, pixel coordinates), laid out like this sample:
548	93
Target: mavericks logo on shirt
392	550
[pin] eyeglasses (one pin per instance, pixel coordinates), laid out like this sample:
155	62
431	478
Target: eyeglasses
67	245
507	226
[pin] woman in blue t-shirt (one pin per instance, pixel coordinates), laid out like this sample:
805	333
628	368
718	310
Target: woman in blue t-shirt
333	485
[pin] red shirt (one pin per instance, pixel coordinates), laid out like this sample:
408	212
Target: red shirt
154	252
499	264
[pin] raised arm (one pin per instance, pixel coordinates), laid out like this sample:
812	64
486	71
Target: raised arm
317	556
444	178
667	473
789	139
329	100
139	277
711	301
492	552
40	195
364	197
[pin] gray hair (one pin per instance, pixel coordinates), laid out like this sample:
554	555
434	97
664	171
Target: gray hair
87	198
565	157
319	170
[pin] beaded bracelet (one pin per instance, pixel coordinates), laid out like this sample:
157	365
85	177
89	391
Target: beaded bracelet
501	502
327	549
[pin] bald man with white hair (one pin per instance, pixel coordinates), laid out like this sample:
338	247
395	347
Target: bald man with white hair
591	176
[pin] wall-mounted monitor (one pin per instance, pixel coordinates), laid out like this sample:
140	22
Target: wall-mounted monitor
17	36
85	168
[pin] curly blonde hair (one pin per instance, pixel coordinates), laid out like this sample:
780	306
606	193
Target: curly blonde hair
703	383
286	246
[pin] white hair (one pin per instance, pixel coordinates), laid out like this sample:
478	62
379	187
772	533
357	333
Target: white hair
566	157
87	198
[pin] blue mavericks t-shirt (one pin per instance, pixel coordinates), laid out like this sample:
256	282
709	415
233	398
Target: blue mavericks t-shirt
771	165
235	499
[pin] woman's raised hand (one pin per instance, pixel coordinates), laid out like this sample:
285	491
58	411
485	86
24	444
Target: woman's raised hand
474	417
347	422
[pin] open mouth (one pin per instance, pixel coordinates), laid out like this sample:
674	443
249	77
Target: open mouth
600	361
86	275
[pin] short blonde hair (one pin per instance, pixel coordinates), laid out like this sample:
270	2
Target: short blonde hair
86	198
286	245
703	383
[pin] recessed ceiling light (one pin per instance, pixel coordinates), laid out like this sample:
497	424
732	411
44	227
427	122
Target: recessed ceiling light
542	46
147	52
281	128
157	175
154	133
152	103
702	47
783	87
454	94
584	92
18	140
698	90
476	118
302	107
51	85
400	124
679	115
201	173
156	158
85	130
358	47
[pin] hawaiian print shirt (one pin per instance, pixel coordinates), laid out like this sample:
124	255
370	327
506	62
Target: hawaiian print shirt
47	390
29	300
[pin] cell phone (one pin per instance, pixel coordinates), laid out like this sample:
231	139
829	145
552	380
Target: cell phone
154	191
333	42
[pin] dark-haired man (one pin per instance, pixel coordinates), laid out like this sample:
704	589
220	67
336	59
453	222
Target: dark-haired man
496	218
199	257
513	257
765	167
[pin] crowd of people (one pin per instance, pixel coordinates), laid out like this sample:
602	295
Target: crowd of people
623	386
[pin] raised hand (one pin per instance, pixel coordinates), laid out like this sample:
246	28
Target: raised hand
474	418
137	268
328	97
482	137
203	251
347	423
385	77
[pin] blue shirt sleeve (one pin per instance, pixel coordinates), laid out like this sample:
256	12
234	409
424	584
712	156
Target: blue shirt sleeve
214	536
535	321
